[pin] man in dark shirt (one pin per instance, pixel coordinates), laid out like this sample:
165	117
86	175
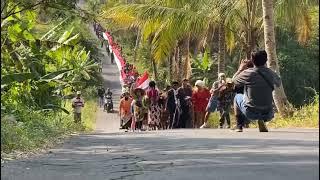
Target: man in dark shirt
184	96
258	83
112	57
172	105
101	92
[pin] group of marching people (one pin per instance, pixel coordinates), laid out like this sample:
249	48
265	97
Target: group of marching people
99	30
131	74
249	92
128	69
177	106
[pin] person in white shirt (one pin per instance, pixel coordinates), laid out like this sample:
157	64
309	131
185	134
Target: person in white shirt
77	105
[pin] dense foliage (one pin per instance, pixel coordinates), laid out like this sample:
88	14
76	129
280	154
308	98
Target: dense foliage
153	29
43	62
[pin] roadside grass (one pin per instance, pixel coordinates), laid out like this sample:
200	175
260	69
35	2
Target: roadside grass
305	117
41	130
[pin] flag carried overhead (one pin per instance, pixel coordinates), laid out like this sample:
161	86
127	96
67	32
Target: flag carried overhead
143	82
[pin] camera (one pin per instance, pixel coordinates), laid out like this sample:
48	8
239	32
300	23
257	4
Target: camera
248	63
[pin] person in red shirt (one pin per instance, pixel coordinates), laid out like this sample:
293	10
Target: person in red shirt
200	98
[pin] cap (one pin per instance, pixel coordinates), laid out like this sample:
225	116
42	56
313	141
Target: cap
199	83
78	92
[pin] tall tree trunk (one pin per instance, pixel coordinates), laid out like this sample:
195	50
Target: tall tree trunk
279	96
215	43
221	59
174	64
187	63
154	69
180	65
176	60
170	69
251	42
136	47
153	62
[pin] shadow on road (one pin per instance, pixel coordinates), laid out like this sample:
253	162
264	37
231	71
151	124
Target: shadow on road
128	155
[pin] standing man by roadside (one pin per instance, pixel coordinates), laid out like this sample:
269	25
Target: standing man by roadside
100	66
258	83
77	105
101	92
184	96
112	57
107	48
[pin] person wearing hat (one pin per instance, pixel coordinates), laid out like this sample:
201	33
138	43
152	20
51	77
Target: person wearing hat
77	105
213	101
200	98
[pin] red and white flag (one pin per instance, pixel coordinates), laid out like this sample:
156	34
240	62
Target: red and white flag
143	82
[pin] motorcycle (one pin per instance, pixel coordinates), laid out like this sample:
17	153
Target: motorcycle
108	104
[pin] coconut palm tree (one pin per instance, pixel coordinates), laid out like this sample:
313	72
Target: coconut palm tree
240	22
189	25
280	98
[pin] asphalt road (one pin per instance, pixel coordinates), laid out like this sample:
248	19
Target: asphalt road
209	154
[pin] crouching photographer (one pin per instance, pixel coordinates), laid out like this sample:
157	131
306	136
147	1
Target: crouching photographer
257	83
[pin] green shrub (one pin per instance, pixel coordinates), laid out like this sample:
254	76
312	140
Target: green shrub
39	129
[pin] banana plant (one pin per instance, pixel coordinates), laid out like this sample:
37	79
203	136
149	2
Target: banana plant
201	68
47	71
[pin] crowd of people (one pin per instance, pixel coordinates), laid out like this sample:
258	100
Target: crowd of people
176	106
131	74
248	93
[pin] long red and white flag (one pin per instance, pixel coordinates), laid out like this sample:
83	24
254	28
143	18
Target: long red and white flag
143	82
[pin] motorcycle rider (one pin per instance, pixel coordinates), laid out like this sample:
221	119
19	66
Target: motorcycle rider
108	97
109	92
